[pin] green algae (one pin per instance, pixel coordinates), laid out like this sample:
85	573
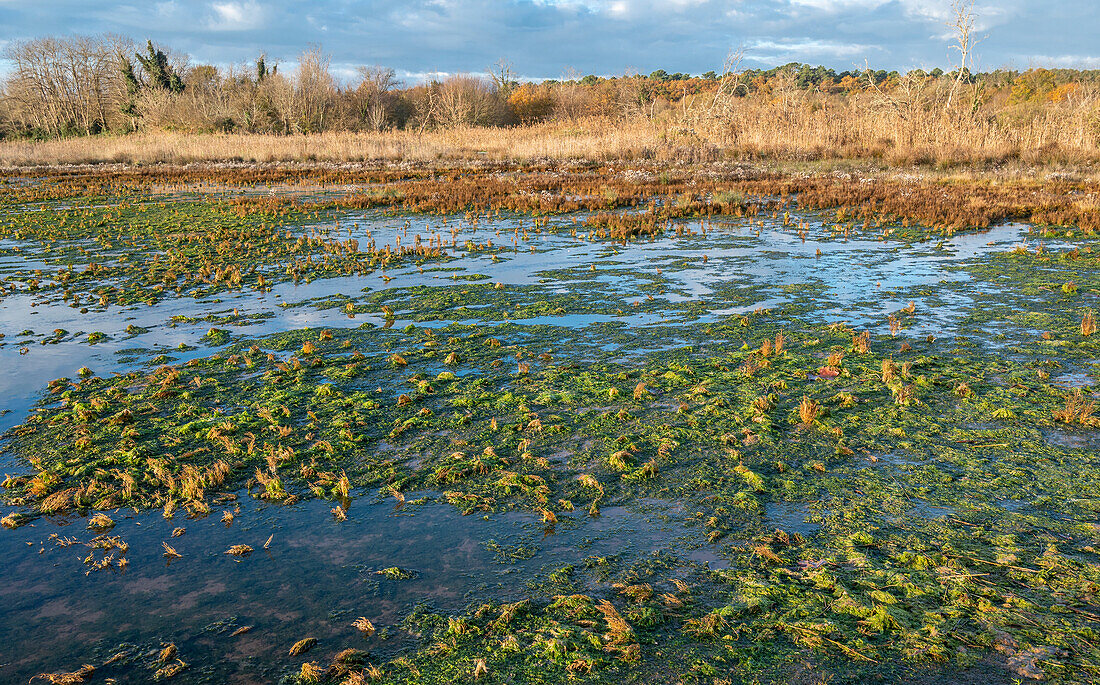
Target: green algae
953	517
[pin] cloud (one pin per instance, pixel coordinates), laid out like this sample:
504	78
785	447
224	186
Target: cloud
1063	61
832	6
543	37
235	16
623	8
809	47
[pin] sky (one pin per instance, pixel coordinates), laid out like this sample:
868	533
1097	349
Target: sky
548	38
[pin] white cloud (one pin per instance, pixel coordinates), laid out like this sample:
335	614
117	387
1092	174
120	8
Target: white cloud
808	47
1063	61
832	6
235	16
624	8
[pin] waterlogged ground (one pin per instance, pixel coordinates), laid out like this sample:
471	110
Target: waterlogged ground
764	444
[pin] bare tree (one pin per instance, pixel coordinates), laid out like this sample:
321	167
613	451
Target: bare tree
64	85
503	76
570	100
465	99
907	98
314	91
961	25
729	82
426	105
372	97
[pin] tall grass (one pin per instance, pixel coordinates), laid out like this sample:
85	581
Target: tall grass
803	128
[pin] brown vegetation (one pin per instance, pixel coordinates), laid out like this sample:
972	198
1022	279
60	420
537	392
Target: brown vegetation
65	87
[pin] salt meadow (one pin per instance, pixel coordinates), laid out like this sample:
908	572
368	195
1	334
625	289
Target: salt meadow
632	423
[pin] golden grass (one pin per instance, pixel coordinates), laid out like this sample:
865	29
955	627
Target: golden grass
168	653
101	522
1054	136
591	139
1088	323
364	626
480	669
79	676
302	646
1079	409
808	411
310	673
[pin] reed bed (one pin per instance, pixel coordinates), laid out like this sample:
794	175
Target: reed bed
1056	137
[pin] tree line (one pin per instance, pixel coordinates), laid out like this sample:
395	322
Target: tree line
83	85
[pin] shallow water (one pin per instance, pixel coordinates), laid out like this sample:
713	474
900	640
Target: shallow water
319	575
315	577
855	281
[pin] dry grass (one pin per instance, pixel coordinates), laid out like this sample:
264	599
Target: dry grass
302	646
79	676
756	130
170	552
808	411
1079	409
1088	323
591	139
364	626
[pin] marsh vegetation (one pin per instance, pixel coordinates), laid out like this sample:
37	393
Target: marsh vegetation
569	422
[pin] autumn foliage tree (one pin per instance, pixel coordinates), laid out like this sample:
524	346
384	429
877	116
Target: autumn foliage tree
531	103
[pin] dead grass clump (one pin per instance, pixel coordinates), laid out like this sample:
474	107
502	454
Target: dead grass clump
79	676
302	646
1078	410
1088	323
364	626
808	411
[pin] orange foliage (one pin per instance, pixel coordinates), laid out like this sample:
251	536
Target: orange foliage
531	103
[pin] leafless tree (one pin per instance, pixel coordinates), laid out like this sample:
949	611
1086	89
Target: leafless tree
503	76
729	81
314	91
62	85
908	97
961	26
465	99
372	97
570	101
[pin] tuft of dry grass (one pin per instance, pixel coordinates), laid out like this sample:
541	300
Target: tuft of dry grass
310	673
480	669
79	676
168	653
808	411
364	626
302	646
169	670
1078	410
101	522
618	630
1088	323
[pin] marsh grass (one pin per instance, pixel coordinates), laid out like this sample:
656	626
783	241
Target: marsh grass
81	675
1088	323
302	646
